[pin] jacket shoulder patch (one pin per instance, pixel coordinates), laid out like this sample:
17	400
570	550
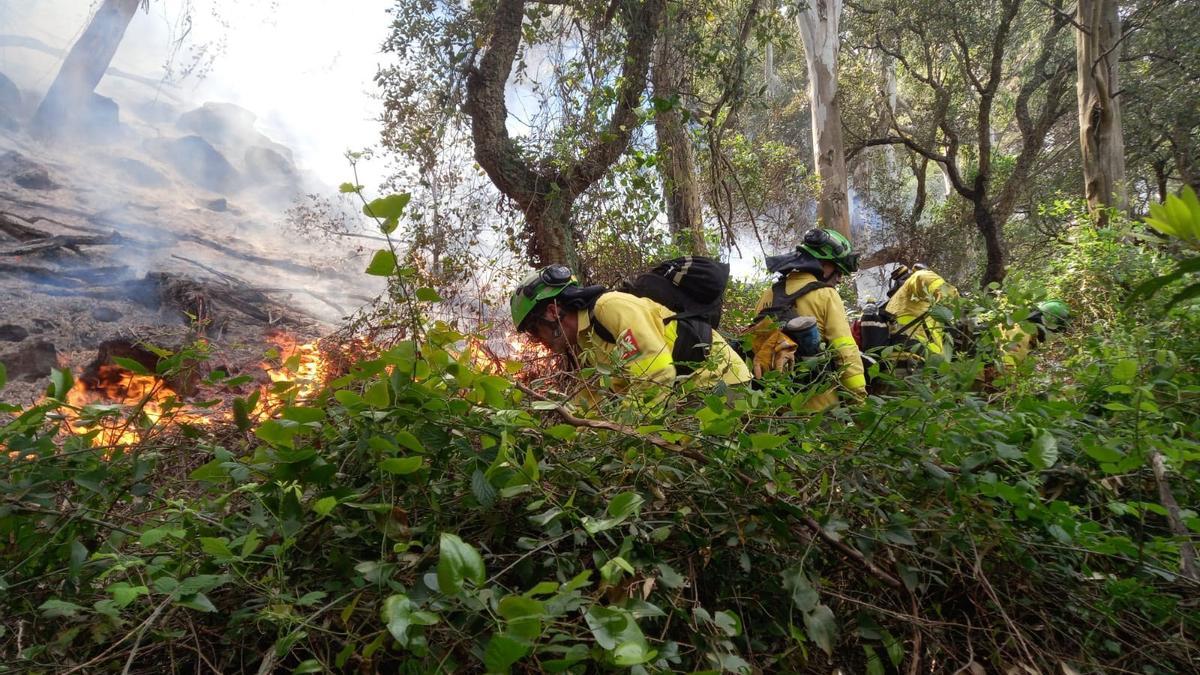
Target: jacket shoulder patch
627	344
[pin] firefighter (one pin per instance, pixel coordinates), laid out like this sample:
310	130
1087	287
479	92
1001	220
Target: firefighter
909	307
594	326
807	288
1051	316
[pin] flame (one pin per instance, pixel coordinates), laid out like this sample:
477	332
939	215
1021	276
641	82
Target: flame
298	375
147	397
127	407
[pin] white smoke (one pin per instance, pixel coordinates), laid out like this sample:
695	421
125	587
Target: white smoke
304	67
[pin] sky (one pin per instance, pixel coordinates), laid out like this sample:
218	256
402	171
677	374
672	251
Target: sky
305	67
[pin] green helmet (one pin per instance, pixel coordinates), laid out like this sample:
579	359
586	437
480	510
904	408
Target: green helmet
1055	313
827	244
536	288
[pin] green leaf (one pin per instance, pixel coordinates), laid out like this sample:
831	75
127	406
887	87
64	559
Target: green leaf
1125	370
310	598
524	616
324	505
766	441
402	466
821	626
728	622
216	546
198	602
3	375
304	415
563	432
200	583
1043	454
152	537
669	577
52	609
132	366
383	264
804	596
309	666
400	613
874	663
484	493
376	395
428	295
123	593
1186	294
347	188
502	652
388	209
348	398
407	440
458	561
61	382
619	508
616	630
276	432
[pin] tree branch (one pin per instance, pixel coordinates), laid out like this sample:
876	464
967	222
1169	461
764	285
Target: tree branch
641	27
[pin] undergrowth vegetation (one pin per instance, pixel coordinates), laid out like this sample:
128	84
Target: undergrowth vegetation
423	516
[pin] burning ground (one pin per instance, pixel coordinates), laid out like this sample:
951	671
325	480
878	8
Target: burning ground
151	230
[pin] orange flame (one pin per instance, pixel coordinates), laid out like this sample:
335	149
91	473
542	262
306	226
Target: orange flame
153	402
125	407
298	375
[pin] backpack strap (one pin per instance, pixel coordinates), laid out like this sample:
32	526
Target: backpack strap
601	331
782	302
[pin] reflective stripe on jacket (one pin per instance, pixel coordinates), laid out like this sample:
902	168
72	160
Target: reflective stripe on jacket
825	305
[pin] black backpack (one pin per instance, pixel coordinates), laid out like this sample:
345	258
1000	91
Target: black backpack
694	288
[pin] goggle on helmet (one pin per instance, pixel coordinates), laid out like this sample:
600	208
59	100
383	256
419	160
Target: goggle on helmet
825	244
537	287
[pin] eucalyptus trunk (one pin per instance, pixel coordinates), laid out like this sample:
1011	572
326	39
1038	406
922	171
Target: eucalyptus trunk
818	23
1097	54
84	67
681	190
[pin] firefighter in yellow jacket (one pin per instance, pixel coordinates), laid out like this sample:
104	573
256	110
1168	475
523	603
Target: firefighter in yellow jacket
807	288
637	336
1051	316
909	309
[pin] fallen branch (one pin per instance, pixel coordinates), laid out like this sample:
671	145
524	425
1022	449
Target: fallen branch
61	241
1187	553
808	521
19	228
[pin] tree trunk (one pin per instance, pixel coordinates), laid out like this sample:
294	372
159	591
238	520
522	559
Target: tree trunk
84	66
1097	55
1160	179
993	271
552	236
680	188
818	23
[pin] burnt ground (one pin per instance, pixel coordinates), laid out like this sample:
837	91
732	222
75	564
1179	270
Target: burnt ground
107	242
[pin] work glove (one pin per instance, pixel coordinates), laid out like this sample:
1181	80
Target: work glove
773	351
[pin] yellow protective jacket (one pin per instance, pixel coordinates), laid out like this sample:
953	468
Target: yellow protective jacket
645	341
1016	344
912	300
825	305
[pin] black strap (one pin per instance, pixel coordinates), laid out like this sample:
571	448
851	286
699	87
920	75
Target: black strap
782	302
599	328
